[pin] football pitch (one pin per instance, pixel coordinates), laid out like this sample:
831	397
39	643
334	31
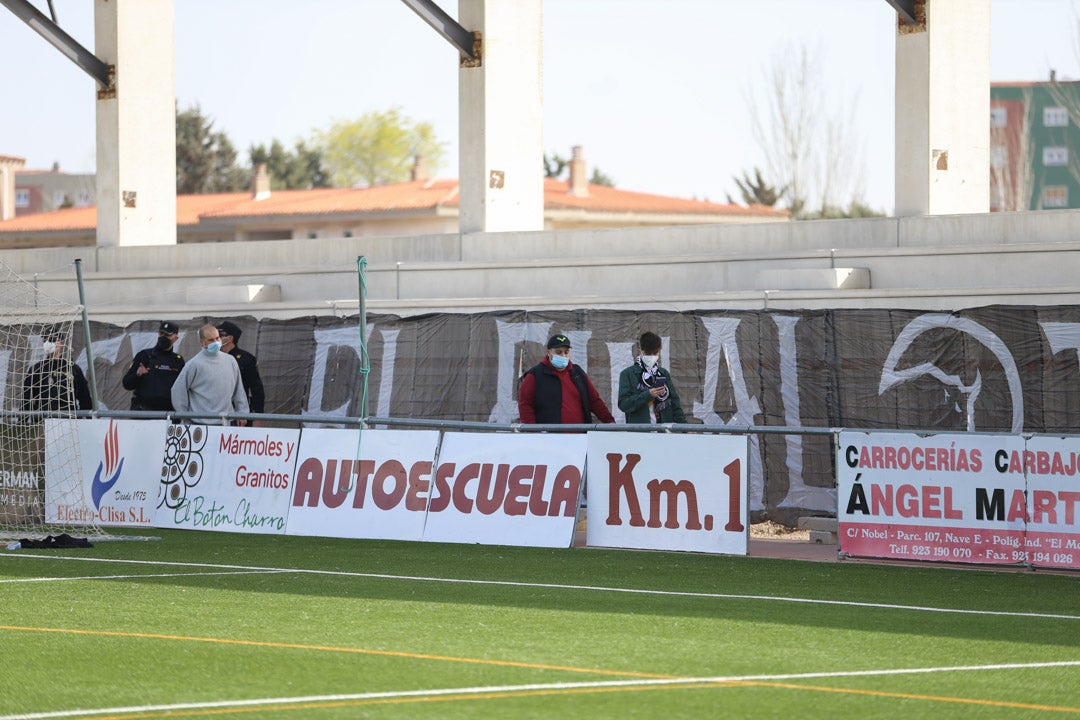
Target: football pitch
202	624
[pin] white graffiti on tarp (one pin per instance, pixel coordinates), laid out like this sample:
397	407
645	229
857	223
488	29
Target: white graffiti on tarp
107	349
325	341
1062	336
891	376
621	354
512	363
386	372
799	494
721	334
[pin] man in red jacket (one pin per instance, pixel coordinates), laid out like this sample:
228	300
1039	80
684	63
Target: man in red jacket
557	391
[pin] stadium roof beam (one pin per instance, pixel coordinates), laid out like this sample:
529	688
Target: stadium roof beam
433	15
905	9
59	39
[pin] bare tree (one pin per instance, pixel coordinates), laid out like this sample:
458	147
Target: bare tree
807	137
1067	95
1012	175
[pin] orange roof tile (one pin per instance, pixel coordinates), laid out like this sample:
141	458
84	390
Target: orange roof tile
76	218
415	195
408	196
608	199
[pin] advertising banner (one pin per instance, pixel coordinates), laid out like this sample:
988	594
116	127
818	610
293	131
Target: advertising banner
22	474
232	479
1052	465
507	489
998	369
668	492
362	484
958	498
121	463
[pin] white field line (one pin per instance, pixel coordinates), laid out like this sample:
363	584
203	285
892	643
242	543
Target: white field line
140	577
555	586
539	687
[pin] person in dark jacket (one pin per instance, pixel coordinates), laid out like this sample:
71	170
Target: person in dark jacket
154	370
249	369
558	391
646	384
56	383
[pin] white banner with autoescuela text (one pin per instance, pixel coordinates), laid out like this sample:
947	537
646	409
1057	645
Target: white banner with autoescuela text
362	484
507	489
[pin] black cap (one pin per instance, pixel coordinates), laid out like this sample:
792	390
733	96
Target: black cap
168	328
228	328
53	335
557	341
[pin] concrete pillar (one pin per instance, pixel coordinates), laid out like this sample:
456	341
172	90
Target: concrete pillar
501	118
8	167
136	124
943	109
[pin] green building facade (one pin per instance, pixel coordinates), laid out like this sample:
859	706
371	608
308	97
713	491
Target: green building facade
1034	141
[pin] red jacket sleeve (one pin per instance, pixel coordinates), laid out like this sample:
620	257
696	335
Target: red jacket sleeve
599	409
527	399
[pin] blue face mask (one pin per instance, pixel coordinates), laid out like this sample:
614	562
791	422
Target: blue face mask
213	348
560	361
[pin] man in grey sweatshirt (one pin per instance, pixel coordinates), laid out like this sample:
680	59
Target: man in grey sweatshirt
210	382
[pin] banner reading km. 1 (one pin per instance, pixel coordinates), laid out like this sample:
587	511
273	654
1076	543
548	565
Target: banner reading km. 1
668	492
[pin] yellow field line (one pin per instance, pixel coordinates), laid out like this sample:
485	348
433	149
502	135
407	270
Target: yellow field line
331	648
916	696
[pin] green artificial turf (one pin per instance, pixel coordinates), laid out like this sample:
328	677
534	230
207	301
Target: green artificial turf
311	627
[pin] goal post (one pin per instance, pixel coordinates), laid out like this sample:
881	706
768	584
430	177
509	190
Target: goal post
43	489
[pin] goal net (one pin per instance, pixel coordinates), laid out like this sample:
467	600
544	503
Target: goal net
42	485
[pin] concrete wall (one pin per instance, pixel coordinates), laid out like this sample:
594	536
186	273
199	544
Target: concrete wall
940	262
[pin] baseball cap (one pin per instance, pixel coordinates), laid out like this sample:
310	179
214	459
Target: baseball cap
169	328
230	329
558	341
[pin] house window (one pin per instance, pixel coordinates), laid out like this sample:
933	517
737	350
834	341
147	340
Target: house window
1055	156
312	235
22	198
347	233
1055	117
1055	196
999	156
82	199
999	117
58	198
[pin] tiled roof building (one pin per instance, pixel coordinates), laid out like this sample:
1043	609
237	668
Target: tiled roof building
417	207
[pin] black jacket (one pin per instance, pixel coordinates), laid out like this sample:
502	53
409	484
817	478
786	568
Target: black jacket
547	400
249	376
153	391
56	384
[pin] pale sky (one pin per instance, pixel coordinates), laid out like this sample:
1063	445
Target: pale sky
654	92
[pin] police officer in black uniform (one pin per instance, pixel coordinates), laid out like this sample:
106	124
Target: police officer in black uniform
154	370
56	383
249	371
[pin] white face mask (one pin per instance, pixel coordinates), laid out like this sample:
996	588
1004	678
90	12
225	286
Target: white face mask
650	360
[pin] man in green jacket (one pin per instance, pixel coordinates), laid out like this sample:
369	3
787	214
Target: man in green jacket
646	385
